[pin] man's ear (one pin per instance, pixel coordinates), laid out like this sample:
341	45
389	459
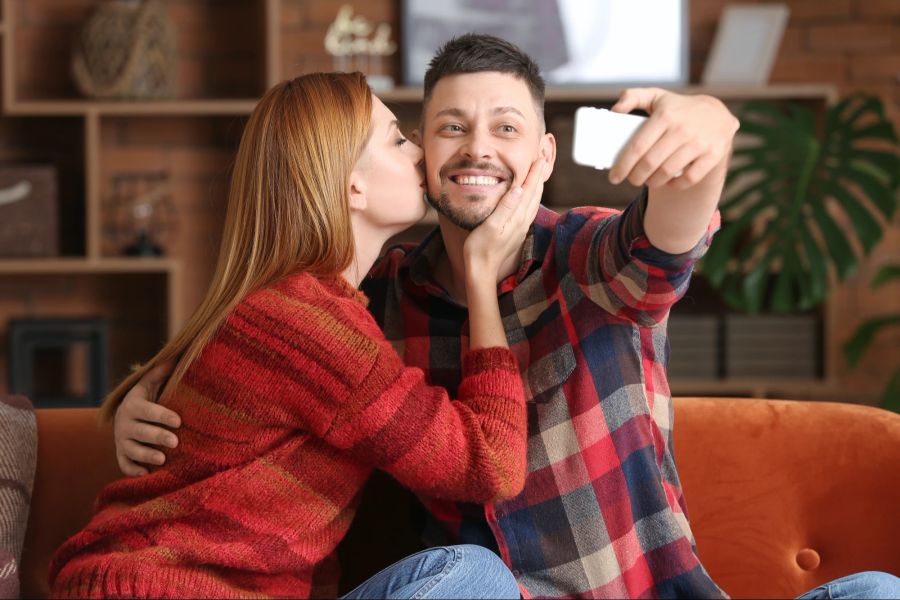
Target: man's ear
548	151
358	200
415	137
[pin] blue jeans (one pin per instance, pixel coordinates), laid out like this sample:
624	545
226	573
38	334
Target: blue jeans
463	571
868	584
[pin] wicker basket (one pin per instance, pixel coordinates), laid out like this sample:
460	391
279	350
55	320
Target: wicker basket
126	50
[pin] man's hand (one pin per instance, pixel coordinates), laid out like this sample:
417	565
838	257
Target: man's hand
681	154
683	140
138	426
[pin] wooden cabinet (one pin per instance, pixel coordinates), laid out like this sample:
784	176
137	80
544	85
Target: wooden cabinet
230	52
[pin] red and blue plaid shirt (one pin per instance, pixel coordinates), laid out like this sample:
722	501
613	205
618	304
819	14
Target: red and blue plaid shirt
602	513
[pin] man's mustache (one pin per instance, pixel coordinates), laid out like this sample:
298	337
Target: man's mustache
500	171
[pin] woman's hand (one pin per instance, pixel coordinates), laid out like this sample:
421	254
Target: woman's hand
140	424
501	235
489	246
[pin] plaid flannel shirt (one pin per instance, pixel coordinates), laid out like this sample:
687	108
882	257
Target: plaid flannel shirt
602	513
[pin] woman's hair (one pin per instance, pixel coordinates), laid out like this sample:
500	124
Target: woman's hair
288	207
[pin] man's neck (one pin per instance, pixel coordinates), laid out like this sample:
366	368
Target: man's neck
450	270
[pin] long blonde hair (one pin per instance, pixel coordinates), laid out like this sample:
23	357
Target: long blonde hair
288	207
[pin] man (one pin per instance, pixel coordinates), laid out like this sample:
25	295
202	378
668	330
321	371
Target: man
584	306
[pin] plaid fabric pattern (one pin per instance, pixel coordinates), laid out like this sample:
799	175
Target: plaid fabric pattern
602	513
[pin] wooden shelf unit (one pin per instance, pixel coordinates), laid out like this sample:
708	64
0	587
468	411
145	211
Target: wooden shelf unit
88	108
589	93
200	131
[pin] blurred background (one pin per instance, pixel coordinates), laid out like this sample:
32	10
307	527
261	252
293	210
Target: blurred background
120	119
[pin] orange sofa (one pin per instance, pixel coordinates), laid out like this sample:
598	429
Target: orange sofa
782	495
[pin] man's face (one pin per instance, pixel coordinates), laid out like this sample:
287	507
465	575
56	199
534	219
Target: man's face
481	132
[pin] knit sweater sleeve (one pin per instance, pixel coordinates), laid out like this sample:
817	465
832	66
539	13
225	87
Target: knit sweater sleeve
330	366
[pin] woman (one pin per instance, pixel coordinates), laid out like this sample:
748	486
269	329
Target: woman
288	391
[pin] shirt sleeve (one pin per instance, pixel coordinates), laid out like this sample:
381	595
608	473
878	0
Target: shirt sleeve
614	263
342	380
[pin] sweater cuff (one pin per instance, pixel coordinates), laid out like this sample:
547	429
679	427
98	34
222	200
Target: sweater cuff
489	359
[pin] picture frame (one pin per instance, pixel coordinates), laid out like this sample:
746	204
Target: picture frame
603	42
746	44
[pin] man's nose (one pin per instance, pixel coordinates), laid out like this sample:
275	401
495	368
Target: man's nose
478	145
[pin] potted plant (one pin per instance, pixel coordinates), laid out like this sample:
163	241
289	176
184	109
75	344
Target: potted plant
805	202
796	199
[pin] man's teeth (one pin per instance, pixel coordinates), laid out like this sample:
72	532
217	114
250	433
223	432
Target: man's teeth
476	180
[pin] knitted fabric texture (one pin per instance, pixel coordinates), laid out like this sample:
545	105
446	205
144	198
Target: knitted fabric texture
18	459
285	414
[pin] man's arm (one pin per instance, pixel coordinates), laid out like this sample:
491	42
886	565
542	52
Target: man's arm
681	154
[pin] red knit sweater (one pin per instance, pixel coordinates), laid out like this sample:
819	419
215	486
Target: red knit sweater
285	414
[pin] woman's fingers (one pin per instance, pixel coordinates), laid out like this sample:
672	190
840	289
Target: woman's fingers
145	433
139	453
140	424
521	203
130	468
138	406
500	236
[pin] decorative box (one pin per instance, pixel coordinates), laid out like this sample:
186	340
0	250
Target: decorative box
28	211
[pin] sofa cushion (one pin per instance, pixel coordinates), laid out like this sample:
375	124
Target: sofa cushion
18	457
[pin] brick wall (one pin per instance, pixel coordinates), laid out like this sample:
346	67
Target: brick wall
854	44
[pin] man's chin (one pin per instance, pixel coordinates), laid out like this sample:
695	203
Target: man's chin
466	213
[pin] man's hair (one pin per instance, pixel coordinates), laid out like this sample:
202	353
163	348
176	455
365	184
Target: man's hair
482	53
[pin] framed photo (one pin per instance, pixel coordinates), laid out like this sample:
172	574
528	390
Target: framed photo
602	42
746	42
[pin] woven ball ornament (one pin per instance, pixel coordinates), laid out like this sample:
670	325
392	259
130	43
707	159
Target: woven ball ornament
126	50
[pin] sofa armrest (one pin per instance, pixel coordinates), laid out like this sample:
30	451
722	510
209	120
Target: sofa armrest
785	495
75	459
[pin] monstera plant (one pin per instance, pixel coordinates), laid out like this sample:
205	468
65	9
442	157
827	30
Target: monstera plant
802	208
857	345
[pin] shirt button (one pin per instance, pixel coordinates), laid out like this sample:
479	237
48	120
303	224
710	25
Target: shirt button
516	572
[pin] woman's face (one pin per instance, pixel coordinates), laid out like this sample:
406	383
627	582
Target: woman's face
390	174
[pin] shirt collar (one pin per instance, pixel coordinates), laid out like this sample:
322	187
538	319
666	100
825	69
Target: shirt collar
423	258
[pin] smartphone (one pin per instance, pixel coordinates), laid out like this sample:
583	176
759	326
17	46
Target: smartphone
600	135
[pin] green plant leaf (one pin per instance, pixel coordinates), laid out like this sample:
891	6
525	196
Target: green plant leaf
715	263
784	248
857	345
891	397
885	274
881	195
836	242
878	131
868	230
818	269
884	165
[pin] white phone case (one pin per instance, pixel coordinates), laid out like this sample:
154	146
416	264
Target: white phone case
600	135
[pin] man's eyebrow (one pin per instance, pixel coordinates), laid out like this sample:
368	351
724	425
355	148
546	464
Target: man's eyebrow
450	112
500	110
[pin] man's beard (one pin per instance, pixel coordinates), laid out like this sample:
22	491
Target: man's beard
459	216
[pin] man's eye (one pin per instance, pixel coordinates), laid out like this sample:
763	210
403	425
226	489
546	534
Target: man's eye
453	128
507	129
